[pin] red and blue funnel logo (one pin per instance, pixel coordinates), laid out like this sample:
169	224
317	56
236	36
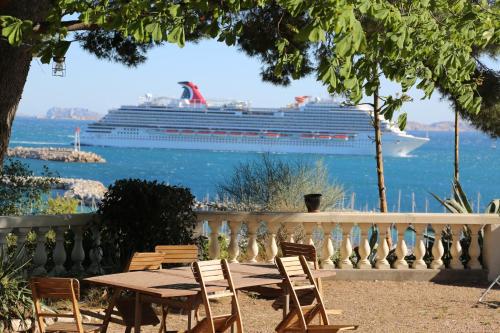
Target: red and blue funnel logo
192	93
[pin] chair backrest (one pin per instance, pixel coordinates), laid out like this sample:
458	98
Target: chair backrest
295	249
56	289
289	268
209	272
178	254
144	261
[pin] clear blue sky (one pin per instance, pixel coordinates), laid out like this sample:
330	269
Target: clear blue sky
219	71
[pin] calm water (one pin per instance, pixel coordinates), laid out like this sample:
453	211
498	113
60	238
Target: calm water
430	168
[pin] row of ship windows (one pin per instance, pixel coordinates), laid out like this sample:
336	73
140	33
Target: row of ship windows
303	142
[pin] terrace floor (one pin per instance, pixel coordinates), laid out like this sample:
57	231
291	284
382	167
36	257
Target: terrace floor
380	306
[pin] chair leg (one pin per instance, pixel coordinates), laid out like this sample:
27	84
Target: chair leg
163	323
190	314
128	329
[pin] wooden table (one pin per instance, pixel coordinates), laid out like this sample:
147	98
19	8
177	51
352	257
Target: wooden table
177	282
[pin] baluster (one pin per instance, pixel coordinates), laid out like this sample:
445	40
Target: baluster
384	230
198	229
474	249
401	249
214	247
437	251
419	251
40	256
308	230
364	247
253	247
456	248
96	254
234	249
59	252
326	259
346	247
78	253
290	228
271	246
21	235
3	239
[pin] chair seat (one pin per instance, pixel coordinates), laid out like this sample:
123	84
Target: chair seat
59	326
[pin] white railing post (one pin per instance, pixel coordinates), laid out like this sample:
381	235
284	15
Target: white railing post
95	254
364	247
346	247
253	247
456	248
383	248
271	246
290	228
22	234
474	249
308	231
40	256
437	250
214	246
419	251
78	253
401	249
234	249
59	252
326	258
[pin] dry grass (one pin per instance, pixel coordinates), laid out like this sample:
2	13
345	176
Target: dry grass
380	306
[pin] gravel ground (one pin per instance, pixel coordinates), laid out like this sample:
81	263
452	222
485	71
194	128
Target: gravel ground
379	306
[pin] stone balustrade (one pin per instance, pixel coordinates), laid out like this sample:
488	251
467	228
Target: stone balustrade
336	235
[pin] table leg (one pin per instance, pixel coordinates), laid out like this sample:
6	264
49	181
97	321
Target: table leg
138	313
115	293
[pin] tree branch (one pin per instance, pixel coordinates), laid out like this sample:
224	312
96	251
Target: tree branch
73	25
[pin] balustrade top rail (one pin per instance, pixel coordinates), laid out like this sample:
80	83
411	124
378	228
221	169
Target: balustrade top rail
352	217
34	221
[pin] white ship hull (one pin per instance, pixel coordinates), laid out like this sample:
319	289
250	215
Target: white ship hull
361	144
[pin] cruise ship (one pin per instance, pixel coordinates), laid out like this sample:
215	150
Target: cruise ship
310	125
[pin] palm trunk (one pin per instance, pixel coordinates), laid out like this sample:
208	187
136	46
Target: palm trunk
378	154
457	138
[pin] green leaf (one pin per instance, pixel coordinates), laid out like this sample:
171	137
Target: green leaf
155	30
176	35
343	46
350	83
402	121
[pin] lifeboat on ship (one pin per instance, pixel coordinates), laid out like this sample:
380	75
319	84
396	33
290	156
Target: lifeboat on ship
171	131
251	133
272	135
204	132
235	133
341	137
187	132
307	136
219	133
324	136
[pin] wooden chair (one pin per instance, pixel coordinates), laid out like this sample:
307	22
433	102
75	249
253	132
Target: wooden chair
308	251
209	272
300	317
179	254
59	289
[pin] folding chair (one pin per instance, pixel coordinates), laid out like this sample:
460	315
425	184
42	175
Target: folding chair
209	272
300	317
59	289
497	281
179	254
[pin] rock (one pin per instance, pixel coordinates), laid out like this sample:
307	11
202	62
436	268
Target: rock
55	154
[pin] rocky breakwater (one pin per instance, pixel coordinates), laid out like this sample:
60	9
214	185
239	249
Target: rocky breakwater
55	154
90	192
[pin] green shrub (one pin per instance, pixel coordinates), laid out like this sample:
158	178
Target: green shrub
15	296
271	184
137	215
61	205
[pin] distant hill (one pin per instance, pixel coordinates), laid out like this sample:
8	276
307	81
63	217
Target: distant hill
72	113
442	126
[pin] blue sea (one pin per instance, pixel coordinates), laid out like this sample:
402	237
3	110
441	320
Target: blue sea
429	169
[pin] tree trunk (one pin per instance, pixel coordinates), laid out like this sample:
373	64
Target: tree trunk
14	67
15	64
457	138
378	154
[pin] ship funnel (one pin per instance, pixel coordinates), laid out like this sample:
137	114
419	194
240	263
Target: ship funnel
192	93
